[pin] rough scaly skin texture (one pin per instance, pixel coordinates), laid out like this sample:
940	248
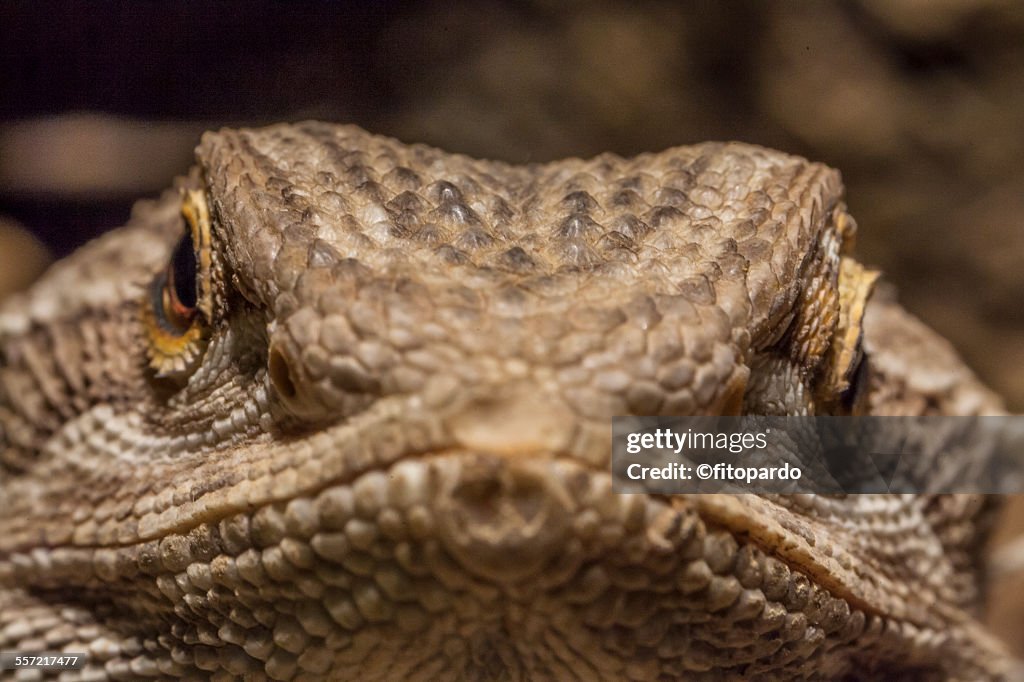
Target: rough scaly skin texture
389	460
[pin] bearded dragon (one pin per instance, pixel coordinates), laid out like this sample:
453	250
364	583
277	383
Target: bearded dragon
335	407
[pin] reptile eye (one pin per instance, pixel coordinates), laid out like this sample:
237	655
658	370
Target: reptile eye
850	397
178	294
847	363
178	308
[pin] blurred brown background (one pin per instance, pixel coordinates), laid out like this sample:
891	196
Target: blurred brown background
920	103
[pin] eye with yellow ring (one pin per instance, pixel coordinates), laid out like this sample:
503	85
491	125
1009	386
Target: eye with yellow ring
847	366
177	311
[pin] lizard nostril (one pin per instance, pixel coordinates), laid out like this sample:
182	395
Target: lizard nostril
306	390
281	374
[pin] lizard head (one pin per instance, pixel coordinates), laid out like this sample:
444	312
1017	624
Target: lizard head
334	395
707	279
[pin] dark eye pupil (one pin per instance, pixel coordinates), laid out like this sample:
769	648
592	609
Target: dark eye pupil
858	378
183	271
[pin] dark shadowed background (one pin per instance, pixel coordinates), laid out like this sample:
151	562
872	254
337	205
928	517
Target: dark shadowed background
919	103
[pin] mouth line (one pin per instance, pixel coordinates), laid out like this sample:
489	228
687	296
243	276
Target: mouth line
484	507
215	514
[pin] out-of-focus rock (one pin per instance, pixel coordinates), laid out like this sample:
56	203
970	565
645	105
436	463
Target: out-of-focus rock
22	258
93	156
